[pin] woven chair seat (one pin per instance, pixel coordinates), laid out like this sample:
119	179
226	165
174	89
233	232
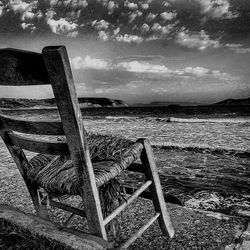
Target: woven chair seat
56	174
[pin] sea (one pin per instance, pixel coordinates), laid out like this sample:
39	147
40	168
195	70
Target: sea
191	148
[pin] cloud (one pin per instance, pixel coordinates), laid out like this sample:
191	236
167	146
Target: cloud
242	50
89	62
100	25
132	6
223	76
134	15
111	7
126	38
198	71
102	35
167	16
69	3
151	16
50	13
196	40
146	68
162	71
63	27
144	6
141	67
236	47
165	3
145	28
157	28
30	26
1	7
131	89
233	45
19	6
27	10
216	9
116	31
82	3
141	58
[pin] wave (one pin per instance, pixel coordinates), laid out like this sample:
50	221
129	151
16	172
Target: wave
202	149
210	120
180	120
120	117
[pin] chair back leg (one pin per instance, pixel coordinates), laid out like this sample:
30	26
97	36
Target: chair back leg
155	188
22	164
61	78
93	211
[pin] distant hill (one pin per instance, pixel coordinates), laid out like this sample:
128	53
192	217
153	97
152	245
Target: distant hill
101	102
165	104
228	102
49	103
234	102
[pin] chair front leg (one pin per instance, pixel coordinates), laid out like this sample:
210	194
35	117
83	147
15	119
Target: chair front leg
155	188
41	208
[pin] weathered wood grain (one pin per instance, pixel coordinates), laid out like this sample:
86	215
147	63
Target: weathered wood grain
32	127
19	67
66	207
155	189
44	147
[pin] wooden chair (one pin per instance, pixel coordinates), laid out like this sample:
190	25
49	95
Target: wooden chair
52	67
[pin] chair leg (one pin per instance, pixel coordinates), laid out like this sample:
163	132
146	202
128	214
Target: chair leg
155	189
41	209
92	205
22	162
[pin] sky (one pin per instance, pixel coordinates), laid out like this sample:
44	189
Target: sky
139	51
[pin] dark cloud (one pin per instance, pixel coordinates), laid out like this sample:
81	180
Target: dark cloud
140	49
127	21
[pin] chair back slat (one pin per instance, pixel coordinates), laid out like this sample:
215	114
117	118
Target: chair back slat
32	127
19	68
38	146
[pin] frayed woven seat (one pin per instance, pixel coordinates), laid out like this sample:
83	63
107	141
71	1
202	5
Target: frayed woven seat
56	174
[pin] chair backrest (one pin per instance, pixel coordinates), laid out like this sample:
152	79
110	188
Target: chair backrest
20	68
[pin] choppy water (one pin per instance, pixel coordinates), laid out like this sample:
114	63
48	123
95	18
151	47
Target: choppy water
228	134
